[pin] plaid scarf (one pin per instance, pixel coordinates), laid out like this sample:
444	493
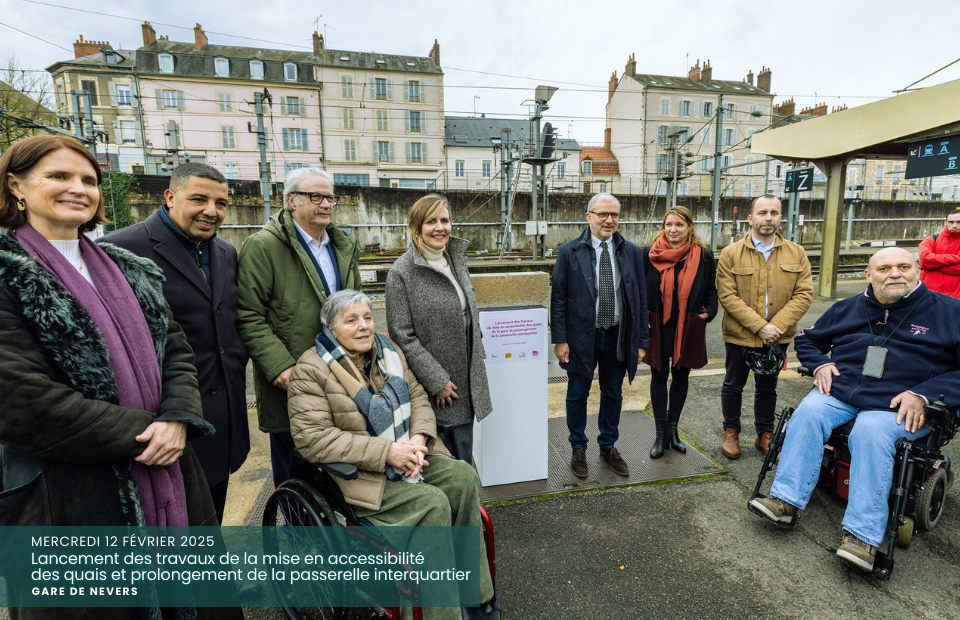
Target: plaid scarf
387	412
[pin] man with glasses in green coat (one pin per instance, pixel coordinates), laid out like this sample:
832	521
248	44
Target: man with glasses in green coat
285	273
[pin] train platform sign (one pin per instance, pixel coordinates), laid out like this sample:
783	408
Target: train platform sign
799	180
933	157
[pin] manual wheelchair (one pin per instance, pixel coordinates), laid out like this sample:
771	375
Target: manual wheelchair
922	476
313	499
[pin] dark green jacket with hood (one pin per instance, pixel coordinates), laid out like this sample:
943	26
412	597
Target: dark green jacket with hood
278	312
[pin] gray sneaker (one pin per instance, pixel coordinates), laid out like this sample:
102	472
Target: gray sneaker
775	509
857	552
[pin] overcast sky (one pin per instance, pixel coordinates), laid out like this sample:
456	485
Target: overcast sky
852	52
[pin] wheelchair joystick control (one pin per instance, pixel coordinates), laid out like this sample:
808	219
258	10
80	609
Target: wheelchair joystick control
937	411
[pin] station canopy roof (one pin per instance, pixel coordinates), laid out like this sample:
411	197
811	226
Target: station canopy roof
882	129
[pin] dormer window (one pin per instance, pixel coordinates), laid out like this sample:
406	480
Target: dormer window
222	67
110	58
256	69
290	71
166	63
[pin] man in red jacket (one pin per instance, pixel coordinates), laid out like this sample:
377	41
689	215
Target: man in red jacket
940	258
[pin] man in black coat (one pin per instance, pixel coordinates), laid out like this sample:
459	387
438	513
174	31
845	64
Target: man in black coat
598	317
201	289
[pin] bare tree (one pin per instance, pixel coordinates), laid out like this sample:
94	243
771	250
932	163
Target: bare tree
24	93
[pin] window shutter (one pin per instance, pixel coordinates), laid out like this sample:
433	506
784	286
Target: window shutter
283	106
303	136
286	139
408	152
406	90
134	100
174	135
393	154
423	122
112	89
423	152
137	136
303	106
118	132
376	151
389	90
159	94
180	105
286	166
406	117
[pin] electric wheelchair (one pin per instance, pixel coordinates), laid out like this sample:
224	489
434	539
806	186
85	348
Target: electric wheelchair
313	499
922	476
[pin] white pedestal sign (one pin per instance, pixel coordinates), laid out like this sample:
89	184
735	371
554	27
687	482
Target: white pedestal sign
511	443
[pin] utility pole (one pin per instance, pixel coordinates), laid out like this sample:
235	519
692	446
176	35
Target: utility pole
715	232
81	102
506	170
538	157
793	202
262	144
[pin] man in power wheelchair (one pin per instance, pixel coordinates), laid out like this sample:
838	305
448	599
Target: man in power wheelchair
353	399
892	351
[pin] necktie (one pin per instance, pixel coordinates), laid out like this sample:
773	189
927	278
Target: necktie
607	300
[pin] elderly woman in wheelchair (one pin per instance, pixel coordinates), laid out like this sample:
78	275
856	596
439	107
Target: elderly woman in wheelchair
352	399
894	357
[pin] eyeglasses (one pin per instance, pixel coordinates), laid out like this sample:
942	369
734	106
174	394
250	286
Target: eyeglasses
603	216
317	198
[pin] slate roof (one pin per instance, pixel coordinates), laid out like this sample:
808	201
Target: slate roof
193	62
126	59
604	162
469	131
686	83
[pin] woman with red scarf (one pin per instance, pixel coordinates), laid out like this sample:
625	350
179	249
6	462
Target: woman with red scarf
681	300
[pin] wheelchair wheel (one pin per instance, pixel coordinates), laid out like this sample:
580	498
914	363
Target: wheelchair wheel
297	520
931	499
905	533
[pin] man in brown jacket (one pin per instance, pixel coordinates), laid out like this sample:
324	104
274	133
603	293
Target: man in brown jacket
765	288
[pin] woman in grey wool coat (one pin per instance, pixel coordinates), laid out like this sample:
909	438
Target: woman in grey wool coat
432	316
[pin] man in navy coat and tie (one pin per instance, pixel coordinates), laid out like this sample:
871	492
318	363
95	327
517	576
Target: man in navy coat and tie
598	317
201	289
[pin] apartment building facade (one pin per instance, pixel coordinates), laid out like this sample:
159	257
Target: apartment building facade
472	155
643	109
107	74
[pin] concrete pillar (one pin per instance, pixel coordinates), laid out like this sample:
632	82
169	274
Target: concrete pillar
836	171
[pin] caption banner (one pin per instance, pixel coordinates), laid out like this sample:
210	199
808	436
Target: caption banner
299	566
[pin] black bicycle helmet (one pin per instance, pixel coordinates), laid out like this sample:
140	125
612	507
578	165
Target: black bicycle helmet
766	360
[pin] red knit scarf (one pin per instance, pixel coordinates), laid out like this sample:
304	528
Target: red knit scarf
664	258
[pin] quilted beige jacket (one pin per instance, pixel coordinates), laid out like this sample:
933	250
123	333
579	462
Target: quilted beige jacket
327	426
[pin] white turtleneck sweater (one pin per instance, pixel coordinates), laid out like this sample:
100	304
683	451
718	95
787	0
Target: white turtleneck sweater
437	260
71	252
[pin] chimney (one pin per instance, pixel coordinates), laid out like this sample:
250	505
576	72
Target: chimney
612	86
200	36
317	43
763	79
149	34
631	68
83	48
606	138
435	53
838	109
750	77
694	73
706	74
786	108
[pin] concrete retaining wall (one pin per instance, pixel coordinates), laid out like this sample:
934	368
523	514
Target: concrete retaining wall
379	215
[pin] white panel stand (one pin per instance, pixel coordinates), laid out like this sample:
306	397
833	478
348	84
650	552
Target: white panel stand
510	444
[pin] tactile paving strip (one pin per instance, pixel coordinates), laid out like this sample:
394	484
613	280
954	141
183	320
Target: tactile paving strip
637	434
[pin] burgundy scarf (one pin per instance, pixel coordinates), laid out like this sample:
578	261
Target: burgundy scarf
115	312
665	258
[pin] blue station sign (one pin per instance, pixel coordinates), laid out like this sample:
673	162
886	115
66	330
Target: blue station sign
933	157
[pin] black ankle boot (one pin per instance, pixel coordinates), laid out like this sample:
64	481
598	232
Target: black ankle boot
673	438
662	442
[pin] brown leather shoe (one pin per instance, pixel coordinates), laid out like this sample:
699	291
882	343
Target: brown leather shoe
615	461
762	442
579	463
730	446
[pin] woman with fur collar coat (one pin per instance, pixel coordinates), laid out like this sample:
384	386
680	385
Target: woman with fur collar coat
73	450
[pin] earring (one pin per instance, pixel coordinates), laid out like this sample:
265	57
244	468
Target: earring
21	205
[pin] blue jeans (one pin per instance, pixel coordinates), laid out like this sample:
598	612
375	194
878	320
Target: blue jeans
612	372
282	461
871	460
